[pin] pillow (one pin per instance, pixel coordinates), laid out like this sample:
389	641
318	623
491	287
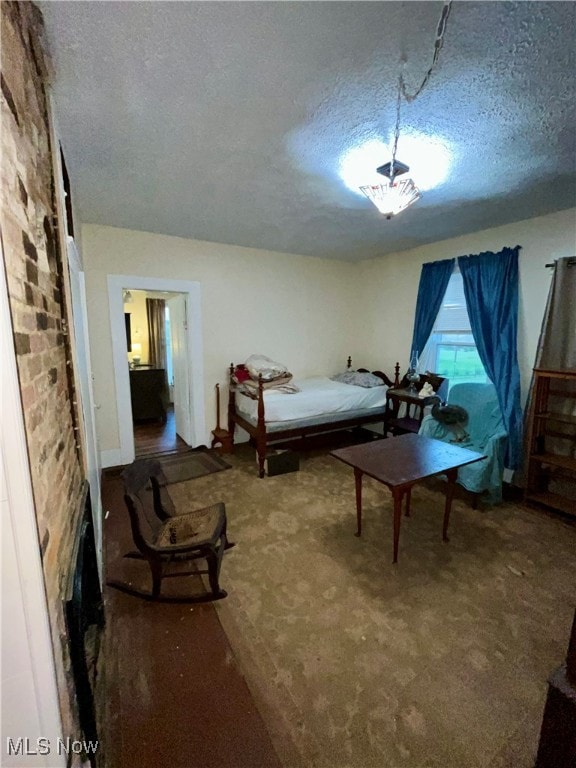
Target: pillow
359	379
260	364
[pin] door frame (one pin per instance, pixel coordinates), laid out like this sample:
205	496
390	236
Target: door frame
118	283
82	361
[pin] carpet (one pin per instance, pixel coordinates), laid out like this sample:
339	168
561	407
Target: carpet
186	466
440	661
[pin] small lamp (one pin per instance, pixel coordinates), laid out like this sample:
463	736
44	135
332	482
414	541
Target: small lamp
136	353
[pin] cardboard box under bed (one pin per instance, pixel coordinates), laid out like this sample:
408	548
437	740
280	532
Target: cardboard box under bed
279	462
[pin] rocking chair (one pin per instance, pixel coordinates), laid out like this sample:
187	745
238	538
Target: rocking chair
164	537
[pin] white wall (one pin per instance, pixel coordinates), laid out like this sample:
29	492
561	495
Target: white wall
389	286
308	313
139	323
301	311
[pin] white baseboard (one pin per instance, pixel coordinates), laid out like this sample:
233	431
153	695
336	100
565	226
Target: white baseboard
111	458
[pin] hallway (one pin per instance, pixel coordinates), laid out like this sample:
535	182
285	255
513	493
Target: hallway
154	437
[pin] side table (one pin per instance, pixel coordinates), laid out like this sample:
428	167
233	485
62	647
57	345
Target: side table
410	422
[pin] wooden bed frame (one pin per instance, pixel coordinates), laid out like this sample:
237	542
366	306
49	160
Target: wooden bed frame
259	435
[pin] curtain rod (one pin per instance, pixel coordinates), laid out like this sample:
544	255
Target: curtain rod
571	263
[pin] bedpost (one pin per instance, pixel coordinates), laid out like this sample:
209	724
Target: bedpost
261	430
217	407
397	375
231	405
349	362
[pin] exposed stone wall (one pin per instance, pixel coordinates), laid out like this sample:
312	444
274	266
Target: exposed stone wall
34	276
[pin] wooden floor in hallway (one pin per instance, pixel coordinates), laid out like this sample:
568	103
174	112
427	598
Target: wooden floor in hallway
151	437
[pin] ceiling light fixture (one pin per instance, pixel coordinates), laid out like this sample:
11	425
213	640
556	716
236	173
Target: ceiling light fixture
127	297
395	196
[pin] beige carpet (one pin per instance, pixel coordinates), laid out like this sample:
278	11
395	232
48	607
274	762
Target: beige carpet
438	662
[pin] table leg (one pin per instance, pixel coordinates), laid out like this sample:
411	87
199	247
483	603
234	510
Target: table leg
358	479
452	474
397	494
408	498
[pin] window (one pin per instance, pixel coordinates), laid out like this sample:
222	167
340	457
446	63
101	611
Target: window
451	351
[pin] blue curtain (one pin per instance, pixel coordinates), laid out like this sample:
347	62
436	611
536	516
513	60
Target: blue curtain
434	280
491	291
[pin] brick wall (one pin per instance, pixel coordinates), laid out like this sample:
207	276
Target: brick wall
34	275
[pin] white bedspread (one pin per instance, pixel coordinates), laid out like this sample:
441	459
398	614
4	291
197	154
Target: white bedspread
317	396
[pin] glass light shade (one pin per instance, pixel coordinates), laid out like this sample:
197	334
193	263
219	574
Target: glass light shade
136	352
412	374
393	197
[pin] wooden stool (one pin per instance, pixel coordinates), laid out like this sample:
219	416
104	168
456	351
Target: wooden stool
223	438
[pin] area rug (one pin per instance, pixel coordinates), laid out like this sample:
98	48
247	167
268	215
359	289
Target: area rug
440	661
186	466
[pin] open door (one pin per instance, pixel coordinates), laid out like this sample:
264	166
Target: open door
181	367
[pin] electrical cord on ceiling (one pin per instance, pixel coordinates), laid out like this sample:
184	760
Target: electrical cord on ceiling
402	92
399	196
439	41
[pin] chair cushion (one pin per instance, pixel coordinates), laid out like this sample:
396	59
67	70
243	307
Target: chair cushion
203	526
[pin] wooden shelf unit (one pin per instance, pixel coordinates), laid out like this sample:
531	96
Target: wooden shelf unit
551	472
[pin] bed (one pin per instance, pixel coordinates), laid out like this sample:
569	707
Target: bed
321	405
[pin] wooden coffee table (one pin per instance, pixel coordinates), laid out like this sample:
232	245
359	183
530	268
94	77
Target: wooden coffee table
399	463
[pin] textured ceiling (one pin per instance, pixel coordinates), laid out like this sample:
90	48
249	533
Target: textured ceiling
233	121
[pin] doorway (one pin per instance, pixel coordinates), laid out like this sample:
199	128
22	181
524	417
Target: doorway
158	356
182	298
